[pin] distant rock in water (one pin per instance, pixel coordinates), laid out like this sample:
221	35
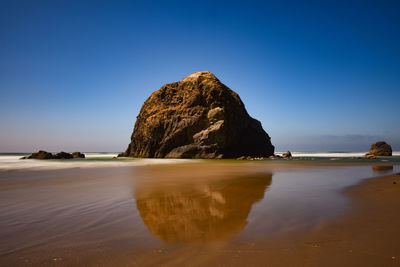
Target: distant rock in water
78	155
61	155
197	117
380	149
41	155
287	155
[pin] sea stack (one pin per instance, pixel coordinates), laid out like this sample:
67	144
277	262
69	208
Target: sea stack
197	117
380	149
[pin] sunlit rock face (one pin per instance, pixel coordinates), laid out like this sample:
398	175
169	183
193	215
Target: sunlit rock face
200	212
380	149
197	117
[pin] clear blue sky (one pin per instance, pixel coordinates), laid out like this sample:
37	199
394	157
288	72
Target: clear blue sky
319	75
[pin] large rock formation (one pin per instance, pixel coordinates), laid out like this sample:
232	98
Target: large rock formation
197	117
380	149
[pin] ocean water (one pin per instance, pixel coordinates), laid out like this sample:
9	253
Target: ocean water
13	161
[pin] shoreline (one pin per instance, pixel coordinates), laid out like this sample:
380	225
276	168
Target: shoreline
98	162
367	234
369	231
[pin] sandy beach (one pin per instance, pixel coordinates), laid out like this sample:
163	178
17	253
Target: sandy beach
210	213
367	236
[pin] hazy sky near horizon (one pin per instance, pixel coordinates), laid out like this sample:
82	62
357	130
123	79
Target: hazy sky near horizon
319	75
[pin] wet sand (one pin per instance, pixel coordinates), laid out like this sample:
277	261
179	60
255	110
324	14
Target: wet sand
207	214
369	235
366	235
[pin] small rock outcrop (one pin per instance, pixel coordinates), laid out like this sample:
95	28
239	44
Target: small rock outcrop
380	149
287	155
197	117
370	156
41	155
61	155
78	155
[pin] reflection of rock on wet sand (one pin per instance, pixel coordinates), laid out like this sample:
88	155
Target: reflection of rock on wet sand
387	168
201	211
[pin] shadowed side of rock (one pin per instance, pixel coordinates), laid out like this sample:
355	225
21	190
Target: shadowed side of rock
197	117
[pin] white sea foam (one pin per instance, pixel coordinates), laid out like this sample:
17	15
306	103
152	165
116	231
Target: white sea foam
13	162
332	154
100	155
